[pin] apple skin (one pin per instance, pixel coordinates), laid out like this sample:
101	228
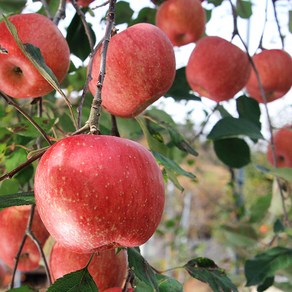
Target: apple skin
83	3
107	268
283	148
12	228
275	71
99	192
183	21
217	69
140	69
19	78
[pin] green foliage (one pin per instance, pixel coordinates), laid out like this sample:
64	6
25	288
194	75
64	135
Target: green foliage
18	199
167	284
80	280
10	6
207	271
244	8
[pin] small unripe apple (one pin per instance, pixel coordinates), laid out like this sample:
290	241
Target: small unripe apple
12	228
99	192
140	69
107	268
283	148
183	21
19	78
217	69
275	72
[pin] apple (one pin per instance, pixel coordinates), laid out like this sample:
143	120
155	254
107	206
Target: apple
19	78
107	268
283	148
12	228
217	69
83	3
183	21
140	69
275	72
99	192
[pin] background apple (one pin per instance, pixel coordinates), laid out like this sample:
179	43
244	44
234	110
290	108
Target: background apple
108	268
275	71
217	69
13	224
140	69
19	78
283	148
83	3
99	192
183	21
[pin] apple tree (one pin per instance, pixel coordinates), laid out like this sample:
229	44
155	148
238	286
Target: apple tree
145	146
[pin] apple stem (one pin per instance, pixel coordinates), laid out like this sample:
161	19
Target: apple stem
30	119
61	14
265	102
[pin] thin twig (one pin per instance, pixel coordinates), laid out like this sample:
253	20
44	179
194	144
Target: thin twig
17	257
32	236
61	13
85	24
260	46
101	5
265	102
11	173
31	120
278	23
95	111
46	7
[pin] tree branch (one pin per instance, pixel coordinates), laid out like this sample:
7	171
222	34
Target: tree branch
61	13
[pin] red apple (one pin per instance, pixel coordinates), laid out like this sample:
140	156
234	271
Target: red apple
283	148
83	3
140	69
183	21
217	69
107	268
99	192
275	72
19	78
12	228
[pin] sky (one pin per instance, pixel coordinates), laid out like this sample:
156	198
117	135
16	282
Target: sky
221	24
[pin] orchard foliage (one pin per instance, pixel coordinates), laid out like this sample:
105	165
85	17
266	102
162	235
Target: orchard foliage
252	220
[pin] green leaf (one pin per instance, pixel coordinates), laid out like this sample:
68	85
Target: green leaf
230	127
9	186
244	8
180	88
77	281
172	165
18	199
154	144
278	226
17	156
77	38
21	289
215	2
53	8
260	208
142	270
207	271
11	6
266	264
171	175
26	129
266	284
146	14
124	12
233	152
249	109
284	173
167	284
